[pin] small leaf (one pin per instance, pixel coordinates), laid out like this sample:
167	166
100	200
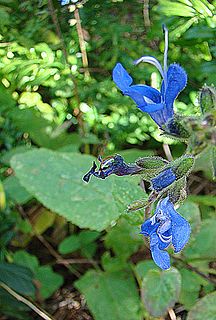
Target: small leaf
25	259
50	281
69	244
205	308
161	290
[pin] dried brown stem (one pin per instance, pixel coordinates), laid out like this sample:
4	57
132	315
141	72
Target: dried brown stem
43	314
146	18
81	42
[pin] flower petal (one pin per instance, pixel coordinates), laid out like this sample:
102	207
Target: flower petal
180	231
136	96
180	226
147	91
151	107
121	77
160	257
163	179
176	81
149	227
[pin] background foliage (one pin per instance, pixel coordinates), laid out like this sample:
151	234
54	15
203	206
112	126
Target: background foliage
70	248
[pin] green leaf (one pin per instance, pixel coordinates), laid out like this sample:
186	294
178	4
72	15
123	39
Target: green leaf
6	157
25	259
123	239
190	211
15	191
143	267
190	288
87	237
69	244
161	290
203	245
205	308
50	281
55	179
112	264
116	292
17	277
125	190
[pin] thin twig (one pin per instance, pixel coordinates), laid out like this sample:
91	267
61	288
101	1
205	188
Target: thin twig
172	314
55	254
81	42
43	314
146	18
77	111
192	268
76	261
167	152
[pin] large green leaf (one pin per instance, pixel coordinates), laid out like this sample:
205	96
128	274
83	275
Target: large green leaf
205	308
55	179
161	290
110	295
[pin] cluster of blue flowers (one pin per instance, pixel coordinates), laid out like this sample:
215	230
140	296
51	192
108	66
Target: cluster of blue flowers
166	227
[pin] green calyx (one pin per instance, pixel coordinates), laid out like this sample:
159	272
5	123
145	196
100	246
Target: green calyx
151	166
183	166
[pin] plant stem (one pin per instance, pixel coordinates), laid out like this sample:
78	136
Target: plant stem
43	314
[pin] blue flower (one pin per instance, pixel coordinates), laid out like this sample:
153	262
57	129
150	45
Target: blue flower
111	165
158	104
163	179
166	227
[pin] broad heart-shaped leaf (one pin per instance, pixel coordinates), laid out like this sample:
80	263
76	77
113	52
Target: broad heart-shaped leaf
161	290
205	308
55	179
110	295
17	277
